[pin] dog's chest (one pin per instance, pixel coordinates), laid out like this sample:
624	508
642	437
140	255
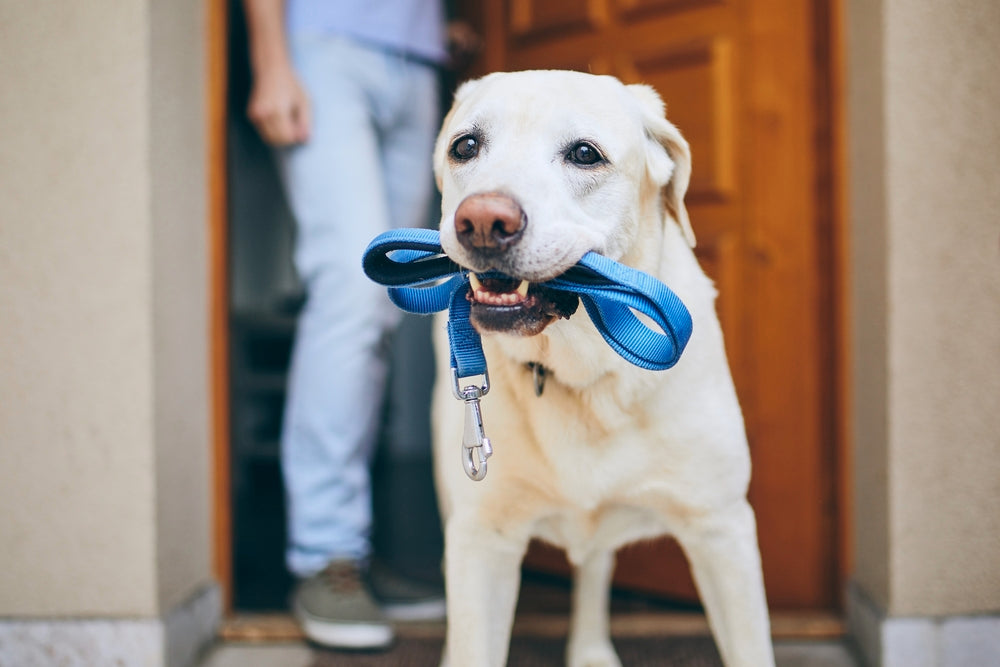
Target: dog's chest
609	486
603	529
597	448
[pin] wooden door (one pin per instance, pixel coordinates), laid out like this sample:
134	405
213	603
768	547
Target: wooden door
744	80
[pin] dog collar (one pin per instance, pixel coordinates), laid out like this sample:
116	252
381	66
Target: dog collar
422	279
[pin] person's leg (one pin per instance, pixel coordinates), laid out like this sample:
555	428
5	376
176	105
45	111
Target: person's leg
408	120
408	135
408	132
337	376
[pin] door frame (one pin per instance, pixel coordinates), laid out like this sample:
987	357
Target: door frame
832	45
830	99
216	114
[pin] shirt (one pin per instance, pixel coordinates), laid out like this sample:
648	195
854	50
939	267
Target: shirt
412	27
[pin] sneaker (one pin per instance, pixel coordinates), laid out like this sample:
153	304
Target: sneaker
334	609
405	599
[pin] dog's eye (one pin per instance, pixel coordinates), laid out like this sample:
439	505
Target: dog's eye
584	154
465	148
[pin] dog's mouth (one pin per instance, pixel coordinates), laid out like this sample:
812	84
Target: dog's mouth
510	305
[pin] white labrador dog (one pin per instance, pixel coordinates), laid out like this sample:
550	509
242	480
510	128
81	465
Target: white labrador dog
535	169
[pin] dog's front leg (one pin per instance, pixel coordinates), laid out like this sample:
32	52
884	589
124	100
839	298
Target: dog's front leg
482	580
589	634
725	561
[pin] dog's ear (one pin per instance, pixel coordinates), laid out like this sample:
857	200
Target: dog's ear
668	156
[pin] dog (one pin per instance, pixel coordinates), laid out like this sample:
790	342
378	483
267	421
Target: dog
535	169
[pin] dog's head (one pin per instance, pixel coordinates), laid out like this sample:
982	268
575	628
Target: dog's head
538	168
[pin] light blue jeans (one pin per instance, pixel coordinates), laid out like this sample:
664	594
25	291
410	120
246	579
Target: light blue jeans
365	169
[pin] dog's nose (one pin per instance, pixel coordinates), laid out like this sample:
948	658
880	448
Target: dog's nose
489	221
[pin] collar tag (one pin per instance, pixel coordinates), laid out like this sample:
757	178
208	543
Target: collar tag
538	375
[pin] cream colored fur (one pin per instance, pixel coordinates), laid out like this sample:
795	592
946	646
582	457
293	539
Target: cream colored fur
610	453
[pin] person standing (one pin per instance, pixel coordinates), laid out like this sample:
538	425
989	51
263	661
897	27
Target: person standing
347	93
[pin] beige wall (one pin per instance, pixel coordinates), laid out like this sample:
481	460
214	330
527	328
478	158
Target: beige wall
180	288
924	80
103	428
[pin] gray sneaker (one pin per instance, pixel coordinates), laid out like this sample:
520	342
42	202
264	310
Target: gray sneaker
334	609
403	598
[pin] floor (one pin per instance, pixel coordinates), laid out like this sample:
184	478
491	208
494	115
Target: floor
298	654
646	631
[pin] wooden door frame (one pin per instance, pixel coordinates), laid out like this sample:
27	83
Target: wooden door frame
832	44
823	74
832	191
216	110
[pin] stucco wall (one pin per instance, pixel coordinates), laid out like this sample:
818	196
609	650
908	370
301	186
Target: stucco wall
103	428
925	135
866	131
176	112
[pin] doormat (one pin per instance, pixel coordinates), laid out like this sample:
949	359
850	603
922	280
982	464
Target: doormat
537	652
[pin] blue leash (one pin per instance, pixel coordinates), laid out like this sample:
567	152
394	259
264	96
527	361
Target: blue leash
410	261
407	260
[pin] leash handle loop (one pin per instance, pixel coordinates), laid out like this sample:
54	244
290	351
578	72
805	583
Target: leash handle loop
421	279
611	292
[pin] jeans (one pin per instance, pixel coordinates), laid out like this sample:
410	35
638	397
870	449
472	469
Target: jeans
365	169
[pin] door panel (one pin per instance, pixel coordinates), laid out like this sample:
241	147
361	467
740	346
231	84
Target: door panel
739	78
701	73
632	9
531	19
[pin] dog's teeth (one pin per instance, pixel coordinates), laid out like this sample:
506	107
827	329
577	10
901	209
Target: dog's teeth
489	297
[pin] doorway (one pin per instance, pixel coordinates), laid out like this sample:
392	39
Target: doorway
752	84
263	298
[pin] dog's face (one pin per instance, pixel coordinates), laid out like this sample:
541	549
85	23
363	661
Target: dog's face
538	168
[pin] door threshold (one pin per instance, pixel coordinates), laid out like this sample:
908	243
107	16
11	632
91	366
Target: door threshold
802	625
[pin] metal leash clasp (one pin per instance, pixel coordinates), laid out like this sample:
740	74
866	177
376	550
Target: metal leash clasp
476	446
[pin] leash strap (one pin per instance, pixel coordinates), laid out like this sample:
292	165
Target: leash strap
422	279
612	293
416	264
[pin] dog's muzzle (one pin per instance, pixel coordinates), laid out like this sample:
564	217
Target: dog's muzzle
489	226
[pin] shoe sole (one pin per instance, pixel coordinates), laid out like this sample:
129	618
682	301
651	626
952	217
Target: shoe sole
344	635
427	610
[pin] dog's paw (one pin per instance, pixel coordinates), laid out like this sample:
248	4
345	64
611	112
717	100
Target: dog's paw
592	654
